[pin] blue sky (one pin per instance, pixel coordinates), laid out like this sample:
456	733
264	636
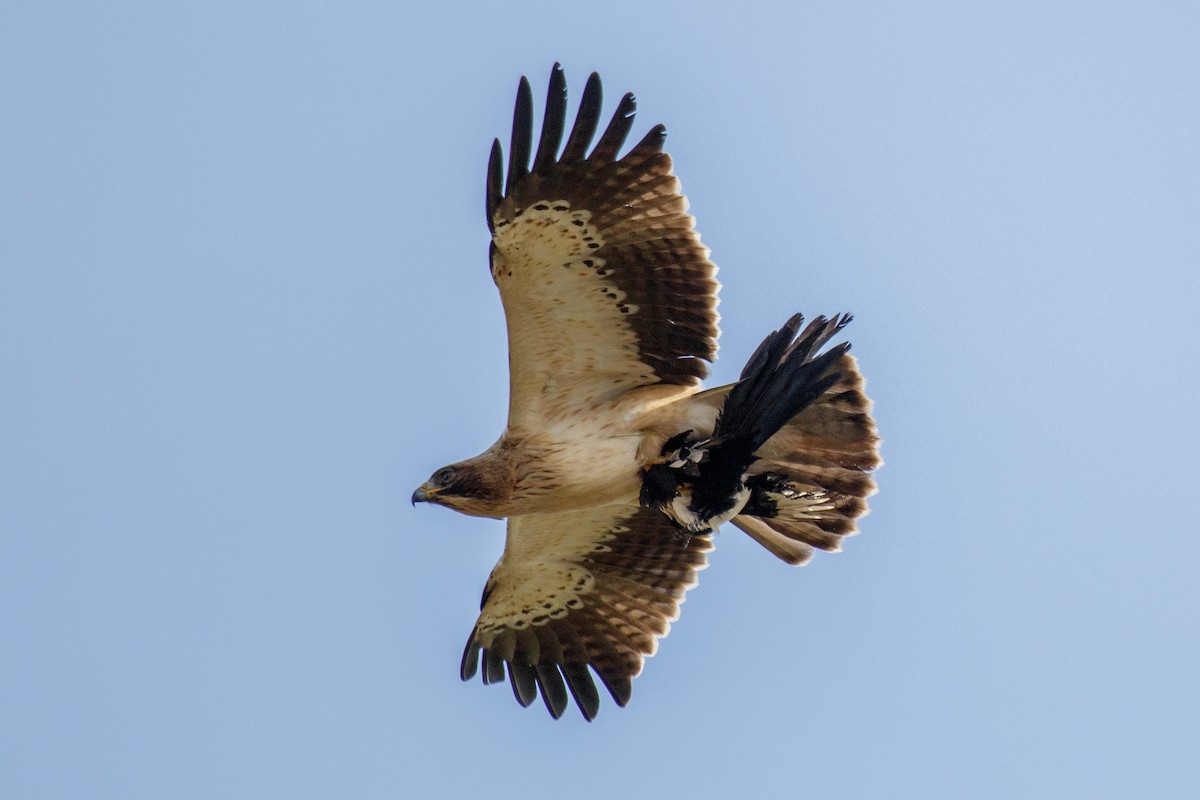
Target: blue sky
244	310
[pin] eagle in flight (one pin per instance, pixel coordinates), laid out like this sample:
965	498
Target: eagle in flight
616	468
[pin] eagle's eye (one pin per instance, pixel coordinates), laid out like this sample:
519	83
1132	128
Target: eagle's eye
444	476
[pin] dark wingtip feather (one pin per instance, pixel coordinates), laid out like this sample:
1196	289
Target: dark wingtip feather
553	121
493	666
583	689
618	129
619	686
524	681
554	693
470	660
587	119
652	142
495	183
522	136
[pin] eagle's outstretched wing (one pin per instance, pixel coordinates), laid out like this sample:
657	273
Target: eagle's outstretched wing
605	284
591	588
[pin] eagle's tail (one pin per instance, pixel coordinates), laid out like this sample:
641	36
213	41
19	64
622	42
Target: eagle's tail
810	481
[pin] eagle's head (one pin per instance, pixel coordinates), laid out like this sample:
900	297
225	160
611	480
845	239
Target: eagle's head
469	487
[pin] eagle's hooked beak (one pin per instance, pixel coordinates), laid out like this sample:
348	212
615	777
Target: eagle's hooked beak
424	493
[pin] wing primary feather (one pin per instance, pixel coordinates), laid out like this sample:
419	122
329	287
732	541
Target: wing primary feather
618	128
573	647
619	686
652	142
470	659
495	183
523	677
528	644
551	648
553	121
613	669
587	119
583	689
554	693
493	666
522	136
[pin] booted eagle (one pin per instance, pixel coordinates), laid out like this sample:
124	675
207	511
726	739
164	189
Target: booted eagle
615	467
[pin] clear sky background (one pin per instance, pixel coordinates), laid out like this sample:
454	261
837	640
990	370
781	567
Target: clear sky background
245	310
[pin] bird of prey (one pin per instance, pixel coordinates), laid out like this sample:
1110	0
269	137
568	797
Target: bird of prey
615	467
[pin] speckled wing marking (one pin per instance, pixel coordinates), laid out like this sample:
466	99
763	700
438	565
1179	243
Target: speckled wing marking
592	588
605	284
